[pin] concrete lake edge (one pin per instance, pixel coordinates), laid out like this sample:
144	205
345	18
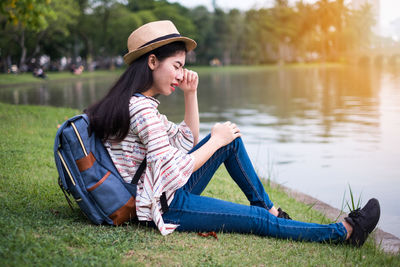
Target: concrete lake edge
388	242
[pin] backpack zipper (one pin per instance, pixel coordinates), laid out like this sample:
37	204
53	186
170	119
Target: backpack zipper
79	138
66	168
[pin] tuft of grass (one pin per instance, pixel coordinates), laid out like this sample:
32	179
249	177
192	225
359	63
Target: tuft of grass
353	205
38	228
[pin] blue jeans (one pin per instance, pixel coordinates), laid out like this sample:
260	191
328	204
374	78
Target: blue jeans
193	212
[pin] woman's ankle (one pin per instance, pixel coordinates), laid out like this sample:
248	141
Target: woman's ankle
273	211
349	229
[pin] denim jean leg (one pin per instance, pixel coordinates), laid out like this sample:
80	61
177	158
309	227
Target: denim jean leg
199	179
243	173
240	168
198	213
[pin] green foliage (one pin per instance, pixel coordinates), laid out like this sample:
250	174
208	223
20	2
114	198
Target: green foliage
178	15
146	16
53	39
31	14
38	228
121	23
286	33
138	5
205	37
97	30
28	23
66	13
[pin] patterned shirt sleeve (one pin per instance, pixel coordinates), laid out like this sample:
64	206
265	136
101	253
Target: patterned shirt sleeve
168	168
180	136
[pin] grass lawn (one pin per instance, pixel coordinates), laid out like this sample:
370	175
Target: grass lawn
26	78
38	228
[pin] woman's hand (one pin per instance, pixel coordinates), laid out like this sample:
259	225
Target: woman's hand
224	133
189	82
221	135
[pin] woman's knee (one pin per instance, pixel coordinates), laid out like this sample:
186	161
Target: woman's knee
234	145
238	142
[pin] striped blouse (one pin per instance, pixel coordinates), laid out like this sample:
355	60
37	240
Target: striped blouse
165	146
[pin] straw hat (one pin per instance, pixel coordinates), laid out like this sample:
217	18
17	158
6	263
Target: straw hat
153	35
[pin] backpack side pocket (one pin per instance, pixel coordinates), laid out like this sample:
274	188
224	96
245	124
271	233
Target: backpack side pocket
110	193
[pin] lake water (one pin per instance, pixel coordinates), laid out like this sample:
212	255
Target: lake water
315	129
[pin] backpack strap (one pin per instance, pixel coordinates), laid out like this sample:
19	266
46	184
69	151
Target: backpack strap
139	172
135	180
65	194
164	203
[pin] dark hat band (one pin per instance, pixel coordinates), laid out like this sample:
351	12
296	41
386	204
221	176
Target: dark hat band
168	36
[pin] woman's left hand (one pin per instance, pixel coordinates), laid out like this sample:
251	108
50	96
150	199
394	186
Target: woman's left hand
189	82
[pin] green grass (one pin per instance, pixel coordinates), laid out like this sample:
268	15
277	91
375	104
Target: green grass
38	228
27	78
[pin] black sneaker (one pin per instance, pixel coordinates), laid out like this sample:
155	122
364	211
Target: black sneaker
282	214
363	222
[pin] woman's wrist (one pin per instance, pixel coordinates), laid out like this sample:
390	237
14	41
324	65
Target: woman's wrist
205	152
190	92
215	142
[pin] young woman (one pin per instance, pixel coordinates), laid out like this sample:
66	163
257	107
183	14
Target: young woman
178	166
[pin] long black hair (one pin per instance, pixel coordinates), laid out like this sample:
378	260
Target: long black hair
109	118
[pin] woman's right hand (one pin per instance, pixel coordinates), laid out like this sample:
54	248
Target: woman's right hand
225	133
221	135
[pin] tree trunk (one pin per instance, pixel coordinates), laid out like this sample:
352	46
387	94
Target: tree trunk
281	53
23	49
4	63
105	26
37	46
89	47
75	50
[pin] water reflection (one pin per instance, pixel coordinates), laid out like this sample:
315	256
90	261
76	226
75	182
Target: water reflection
314	129
75	94
317	130
313	101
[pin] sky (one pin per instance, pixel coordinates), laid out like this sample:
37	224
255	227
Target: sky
390	9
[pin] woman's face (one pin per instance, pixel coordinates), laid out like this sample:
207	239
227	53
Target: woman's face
166	73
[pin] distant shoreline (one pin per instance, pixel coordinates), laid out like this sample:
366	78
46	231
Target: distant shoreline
7	80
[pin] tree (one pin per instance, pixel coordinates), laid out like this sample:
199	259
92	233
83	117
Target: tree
26	13
341	12
122	23
139	5
97	29
304	36
221	35
326	17
260	42
361	23
234	45
178	15
52	40
20	16
203	21
28	22
284	28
